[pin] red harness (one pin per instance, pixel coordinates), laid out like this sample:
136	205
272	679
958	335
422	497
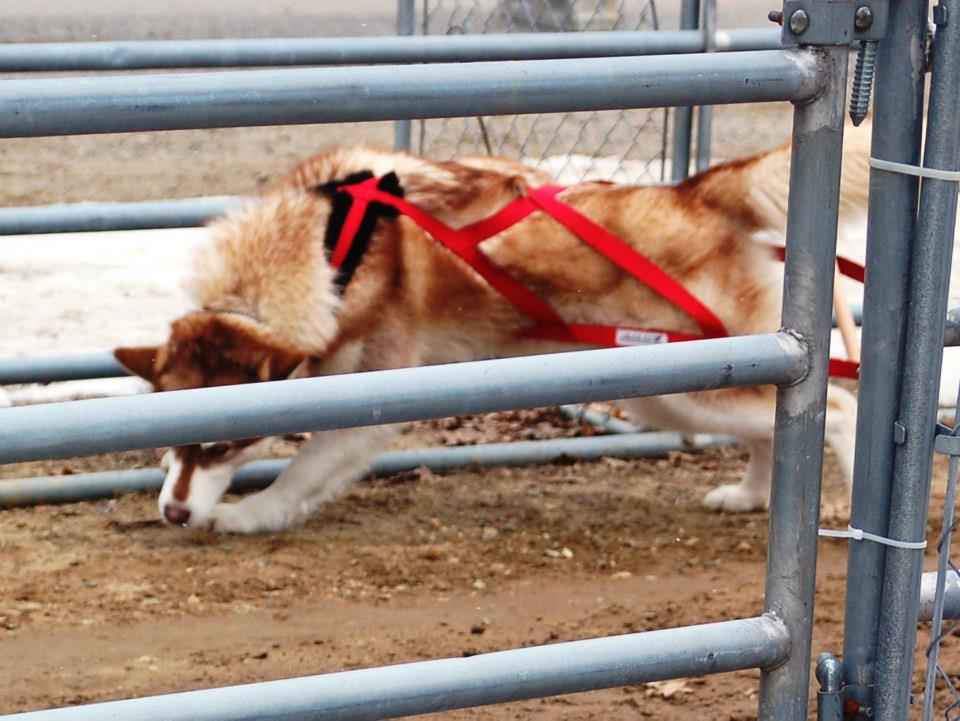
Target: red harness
464	242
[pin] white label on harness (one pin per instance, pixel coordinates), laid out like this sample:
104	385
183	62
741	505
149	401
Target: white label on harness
627	336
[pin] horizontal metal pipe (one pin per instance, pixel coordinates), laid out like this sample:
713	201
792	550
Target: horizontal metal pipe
263	52
308	404
81	366
609	423
951	597
47	369
253	476
126	103
86	217
452	683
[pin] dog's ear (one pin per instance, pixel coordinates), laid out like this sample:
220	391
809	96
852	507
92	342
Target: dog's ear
340	207
240	341
141	361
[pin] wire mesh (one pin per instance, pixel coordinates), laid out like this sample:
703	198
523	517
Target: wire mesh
949	695
626	146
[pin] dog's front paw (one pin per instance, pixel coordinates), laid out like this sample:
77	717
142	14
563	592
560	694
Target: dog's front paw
245	517
734	499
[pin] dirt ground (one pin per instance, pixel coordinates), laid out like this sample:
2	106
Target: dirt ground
100	601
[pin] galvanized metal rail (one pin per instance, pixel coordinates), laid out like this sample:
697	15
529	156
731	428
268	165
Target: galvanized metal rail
176	418
114	104
256	52
898	119
82	366
259	474
86	217
452	683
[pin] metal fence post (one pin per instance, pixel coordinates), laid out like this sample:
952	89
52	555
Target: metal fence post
406	15
890	226
943	444
798	442
705	112
913	457
683	116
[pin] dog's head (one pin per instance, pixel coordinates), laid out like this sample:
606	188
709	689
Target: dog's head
208	349
274	307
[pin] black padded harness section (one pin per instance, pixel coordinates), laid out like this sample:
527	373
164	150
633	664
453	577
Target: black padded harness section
340	205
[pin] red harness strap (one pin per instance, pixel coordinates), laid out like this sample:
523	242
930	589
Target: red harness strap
622	255
850	268
548	325
839	367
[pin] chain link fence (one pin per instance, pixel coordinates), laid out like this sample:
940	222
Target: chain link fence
626	146
940	692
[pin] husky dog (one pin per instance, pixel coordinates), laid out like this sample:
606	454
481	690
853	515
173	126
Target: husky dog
270	305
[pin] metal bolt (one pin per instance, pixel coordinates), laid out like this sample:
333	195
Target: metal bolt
863	18
775	16
799	22
863	82
851	708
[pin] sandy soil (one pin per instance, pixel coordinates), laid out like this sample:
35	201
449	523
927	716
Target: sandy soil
100	601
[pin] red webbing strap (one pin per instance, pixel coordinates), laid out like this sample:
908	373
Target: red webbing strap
549	325
627	258
508	216
839	367
610	336
843	368
464	241
351	225
464	244
850	268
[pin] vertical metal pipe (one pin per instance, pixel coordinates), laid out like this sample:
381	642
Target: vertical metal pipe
896	136
926	311
683	116
940	595
705	112
798	443
829	697
406	14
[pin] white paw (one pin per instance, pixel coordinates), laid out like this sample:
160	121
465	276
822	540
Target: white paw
246	517
734	499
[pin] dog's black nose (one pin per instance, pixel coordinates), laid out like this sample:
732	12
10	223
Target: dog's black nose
175	514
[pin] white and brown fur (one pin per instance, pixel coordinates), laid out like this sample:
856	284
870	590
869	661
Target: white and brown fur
270	307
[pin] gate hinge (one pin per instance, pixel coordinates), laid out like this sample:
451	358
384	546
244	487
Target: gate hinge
832	22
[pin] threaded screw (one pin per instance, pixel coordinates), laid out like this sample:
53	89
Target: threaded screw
863	81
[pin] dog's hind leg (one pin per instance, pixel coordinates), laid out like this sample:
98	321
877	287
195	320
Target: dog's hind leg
753	491
841	428
746	413
326	464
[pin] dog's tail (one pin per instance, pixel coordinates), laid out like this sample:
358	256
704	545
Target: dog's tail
754	190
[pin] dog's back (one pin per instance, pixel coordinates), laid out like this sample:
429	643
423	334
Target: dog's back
267	291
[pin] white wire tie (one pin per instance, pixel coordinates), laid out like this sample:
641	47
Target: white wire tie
917	170
857	534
